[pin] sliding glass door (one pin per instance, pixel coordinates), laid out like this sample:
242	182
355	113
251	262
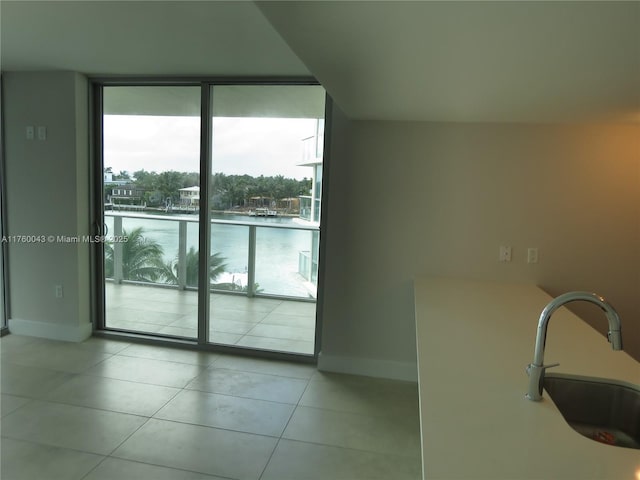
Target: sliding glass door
3	318
242	183
3	244
264	281
151	164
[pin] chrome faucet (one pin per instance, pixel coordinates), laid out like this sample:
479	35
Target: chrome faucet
536	369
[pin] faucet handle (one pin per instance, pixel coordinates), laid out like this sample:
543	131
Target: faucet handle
550	365
539	368
536	380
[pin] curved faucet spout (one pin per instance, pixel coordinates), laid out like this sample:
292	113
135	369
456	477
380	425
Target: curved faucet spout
536	368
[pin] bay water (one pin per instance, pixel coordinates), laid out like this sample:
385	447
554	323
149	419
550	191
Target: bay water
277	249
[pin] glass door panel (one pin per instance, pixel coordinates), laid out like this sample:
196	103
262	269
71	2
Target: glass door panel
264	198
283	261
3	319
228	268
151	182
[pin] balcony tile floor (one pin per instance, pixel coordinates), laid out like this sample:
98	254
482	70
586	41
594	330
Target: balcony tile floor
264	323
106	409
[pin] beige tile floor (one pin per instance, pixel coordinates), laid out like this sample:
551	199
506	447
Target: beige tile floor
270	324
106	409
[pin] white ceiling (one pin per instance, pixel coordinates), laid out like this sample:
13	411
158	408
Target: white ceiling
470	61
416	60
143	38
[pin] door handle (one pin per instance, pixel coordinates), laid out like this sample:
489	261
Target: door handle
101	230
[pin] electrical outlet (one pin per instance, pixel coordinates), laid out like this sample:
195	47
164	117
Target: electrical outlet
30	132
59	292
532	255
505	253
42	133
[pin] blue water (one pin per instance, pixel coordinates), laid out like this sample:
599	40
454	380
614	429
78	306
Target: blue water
276	248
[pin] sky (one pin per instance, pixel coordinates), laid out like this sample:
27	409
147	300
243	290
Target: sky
253	146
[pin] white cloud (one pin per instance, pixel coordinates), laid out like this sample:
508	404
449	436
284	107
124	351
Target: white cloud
253	146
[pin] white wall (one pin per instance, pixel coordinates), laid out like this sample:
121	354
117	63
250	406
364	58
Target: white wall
439	199
47	194
405	199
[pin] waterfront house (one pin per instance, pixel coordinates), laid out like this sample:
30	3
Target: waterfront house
190	196
127	195
128	191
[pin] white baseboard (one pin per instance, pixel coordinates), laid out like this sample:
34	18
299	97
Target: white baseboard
53	331
368	367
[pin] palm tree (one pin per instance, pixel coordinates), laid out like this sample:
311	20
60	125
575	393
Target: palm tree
141	257
217	267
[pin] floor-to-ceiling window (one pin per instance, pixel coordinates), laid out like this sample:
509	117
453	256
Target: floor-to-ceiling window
248	212
259	172
3	317
3	310
151	160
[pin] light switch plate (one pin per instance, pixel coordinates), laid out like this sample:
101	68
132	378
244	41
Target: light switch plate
505	253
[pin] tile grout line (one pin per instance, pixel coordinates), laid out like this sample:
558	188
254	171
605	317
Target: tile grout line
185	389
179	390
266	465
215	359
31	442
264	315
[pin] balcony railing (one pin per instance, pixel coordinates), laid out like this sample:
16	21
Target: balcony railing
266	256
312	149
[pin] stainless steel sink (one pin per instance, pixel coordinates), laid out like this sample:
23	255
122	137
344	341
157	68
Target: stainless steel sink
603	410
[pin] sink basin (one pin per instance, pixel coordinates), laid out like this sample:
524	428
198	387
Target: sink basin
603	410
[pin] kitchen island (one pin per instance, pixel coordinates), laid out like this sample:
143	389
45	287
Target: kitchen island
474	341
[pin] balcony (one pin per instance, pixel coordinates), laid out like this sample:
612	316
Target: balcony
262	294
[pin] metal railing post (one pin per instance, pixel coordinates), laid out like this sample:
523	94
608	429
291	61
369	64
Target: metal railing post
251	269
182	254
117	249
307	259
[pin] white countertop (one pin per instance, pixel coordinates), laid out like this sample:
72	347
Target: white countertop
474	341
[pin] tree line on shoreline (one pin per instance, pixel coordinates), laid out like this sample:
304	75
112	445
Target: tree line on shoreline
227	191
